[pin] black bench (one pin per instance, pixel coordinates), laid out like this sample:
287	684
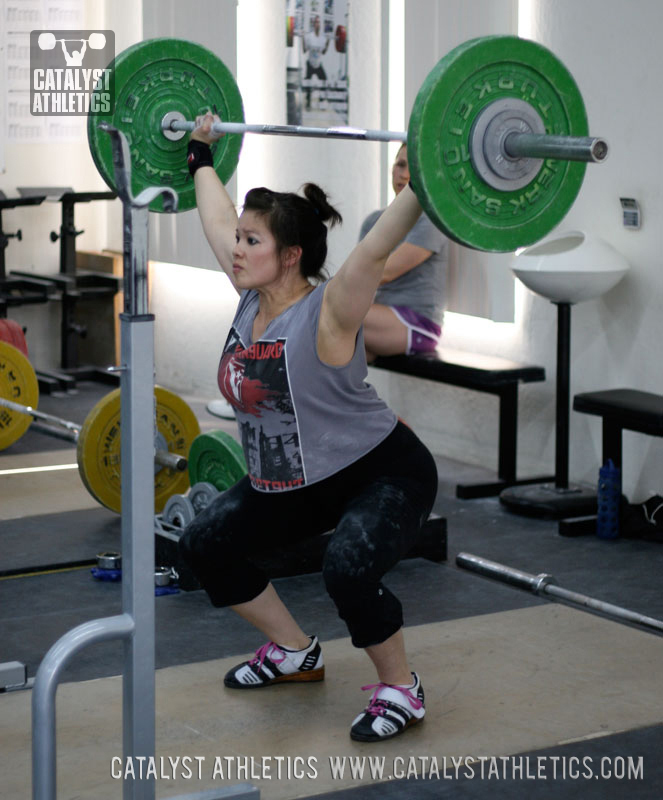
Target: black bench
490	374
299	558
620	410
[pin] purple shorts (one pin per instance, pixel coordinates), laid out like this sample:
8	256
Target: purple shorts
423	334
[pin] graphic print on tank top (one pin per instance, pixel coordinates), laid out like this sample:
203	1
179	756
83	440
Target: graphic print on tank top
255	382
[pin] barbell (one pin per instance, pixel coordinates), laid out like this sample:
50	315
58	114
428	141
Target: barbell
497	140
545	584
98	439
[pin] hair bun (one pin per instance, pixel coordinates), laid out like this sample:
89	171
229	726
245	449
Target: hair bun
318	199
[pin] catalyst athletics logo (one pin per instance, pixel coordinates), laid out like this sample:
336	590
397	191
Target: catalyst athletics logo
65	68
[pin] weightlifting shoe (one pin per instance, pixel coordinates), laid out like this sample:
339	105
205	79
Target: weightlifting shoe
275	664
391	710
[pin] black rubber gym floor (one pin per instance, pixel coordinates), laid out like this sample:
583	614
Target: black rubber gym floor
36	609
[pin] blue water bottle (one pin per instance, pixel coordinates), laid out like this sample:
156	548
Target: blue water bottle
608	501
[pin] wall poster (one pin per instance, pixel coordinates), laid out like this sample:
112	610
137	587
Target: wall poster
317	62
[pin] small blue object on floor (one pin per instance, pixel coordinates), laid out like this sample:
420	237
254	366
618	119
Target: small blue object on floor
100	574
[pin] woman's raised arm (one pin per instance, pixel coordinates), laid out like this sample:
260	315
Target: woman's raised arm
217	212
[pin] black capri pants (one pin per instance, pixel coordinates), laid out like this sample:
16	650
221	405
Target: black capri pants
375	507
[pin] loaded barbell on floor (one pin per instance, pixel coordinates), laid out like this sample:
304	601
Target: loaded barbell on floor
544	584
98	439
497	138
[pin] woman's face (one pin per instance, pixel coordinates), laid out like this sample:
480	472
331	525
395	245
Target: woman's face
400	172
255	258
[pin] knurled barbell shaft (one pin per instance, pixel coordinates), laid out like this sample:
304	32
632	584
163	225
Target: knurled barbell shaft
71	427
69	431
294	130
520	145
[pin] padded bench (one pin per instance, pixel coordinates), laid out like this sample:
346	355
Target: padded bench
620	409
490	374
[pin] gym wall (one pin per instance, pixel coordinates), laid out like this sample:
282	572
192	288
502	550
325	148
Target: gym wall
611	49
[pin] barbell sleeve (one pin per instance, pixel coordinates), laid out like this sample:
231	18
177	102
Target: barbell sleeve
164	458
565	148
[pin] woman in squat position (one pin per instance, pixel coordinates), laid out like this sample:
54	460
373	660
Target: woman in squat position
323	451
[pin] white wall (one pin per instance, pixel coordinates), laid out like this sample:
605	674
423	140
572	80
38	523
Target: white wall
610	47
614	54
480	284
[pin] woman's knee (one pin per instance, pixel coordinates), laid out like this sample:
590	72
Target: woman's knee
212	533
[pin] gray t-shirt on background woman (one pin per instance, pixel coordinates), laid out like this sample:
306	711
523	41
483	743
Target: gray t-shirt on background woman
423	288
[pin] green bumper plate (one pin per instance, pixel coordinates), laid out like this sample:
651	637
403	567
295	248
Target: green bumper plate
151	79
451	192
216	458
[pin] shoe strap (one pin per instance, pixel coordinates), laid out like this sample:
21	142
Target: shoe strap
378	707
270	650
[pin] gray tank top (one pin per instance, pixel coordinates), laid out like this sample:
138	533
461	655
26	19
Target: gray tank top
299	420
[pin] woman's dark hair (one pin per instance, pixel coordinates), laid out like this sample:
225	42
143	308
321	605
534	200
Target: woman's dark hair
296	220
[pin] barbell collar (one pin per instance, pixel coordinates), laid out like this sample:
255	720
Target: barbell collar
563	148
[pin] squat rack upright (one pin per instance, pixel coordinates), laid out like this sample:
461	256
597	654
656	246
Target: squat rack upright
135	626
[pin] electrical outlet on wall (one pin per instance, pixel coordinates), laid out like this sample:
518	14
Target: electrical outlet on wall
630	213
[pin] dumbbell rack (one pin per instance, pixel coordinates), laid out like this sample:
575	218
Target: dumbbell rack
72	286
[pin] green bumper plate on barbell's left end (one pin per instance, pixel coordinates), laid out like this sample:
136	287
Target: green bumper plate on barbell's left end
451	191
152	78
216	458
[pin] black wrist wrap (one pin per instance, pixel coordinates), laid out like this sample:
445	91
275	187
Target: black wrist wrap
199	155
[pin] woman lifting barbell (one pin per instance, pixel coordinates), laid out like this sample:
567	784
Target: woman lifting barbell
324	452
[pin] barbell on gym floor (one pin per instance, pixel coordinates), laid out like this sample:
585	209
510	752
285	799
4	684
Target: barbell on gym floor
497	138
545	584
98	439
